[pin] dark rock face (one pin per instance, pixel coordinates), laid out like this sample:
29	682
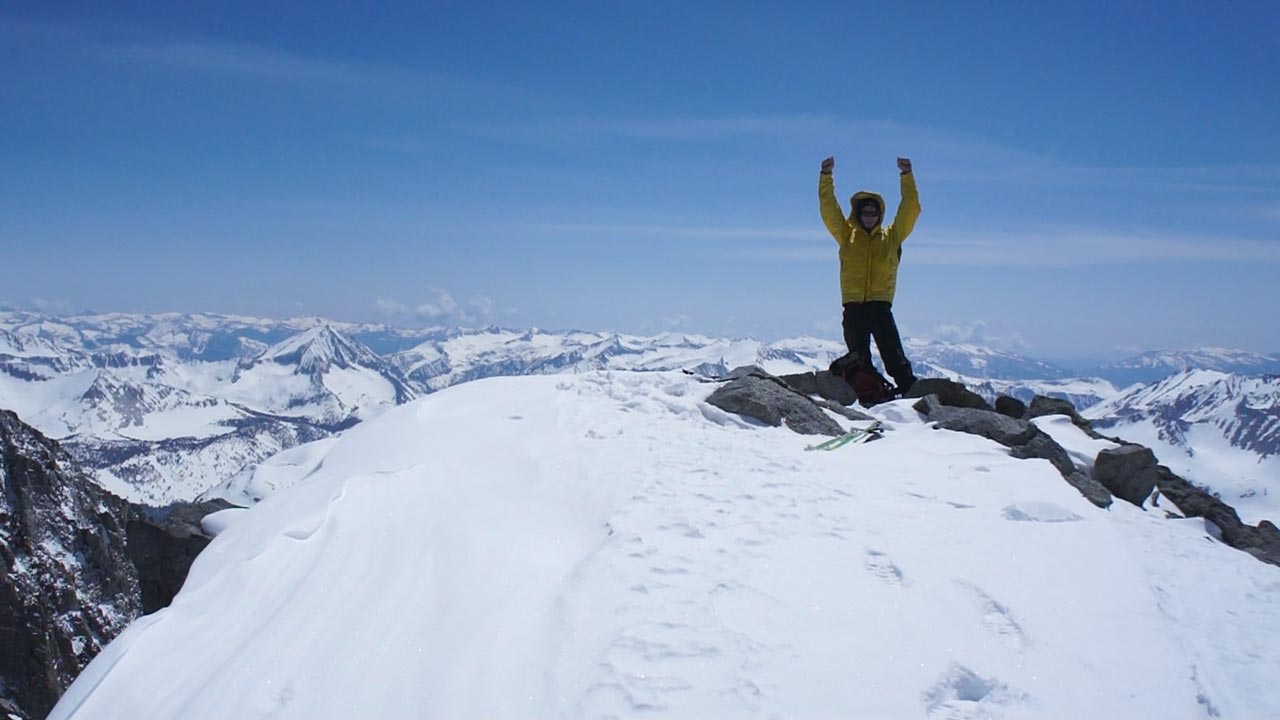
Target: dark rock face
1128	471
949	393
1262	542
162	544
757	394
1023	439
69	587
80	565
1011	407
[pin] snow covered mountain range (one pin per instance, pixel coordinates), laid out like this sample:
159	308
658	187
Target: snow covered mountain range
172	407
1223	430
611	544
1156	365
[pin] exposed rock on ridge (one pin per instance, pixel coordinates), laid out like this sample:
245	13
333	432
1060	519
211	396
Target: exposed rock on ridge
69	587
754	393
1023	439
80	565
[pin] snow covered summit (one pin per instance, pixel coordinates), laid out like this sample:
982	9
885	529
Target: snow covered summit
610	545
319	374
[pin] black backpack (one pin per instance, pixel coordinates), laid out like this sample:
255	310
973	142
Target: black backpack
868	384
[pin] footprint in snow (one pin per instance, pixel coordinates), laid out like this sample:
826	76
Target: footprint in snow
958	506
882	567
996	618
962	694
1035	511
684	529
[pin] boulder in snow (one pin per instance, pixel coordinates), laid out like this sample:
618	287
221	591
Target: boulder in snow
988	424
1042	405
757	394
823	384
1129	471
949	393
1011	407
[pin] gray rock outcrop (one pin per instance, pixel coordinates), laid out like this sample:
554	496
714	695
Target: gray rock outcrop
822	384
756	394
1042	405
987	423
950	393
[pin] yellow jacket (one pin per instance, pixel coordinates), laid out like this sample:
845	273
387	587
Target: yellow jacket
868	260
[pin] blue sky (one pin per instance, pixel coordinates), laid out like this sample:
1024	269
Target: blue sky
1096	177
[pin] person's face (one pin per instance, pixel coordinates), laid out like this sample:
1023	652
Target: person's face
869	216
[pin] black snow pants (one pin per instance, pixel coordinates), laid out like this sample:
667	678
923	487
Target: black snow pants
867	319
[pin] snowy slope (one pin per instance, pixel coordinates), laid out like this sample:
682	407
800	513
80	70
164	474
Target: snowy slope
608	545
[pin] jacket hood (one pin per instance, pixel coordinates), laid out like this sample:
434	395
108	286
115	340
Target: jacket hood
859	197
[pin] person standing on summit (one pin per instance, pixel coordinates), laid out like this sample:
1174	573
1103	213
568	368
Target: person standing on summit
869	256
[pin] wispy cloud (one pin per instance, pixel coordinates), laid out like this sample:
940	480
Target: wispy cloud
257	62
976	333
682	231
1030	248
140	47
947	156
1043	248
577	130
440	308
701	128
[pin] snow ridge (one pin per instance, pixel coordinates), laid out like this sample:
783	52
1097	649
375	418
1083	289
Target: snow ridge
606	544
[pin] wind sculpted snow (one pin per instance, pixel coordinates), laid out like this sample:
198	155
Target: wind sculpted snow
609	545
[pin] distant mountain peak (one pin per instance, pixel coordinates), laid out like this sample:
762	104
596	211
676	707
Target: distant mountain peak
318	349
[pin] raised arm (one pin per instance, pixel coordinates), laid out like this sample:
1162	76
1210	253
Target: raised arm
832	214
909	207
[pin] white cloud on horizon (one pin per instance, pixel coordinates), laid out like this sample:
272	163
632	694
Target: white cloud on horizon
52	306
442	309
676	321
